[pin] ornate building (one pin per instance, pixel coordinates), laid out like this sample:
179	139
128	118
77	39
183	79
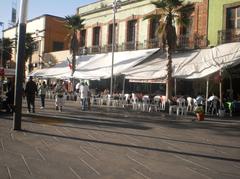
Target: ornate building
132	31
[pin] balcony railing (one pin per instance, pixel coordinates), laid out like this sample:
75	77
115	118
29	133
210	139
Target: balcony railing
183	42
229	35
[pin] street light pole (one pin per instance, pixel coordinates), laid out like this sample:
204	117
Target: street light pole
2	24
116	5
17	115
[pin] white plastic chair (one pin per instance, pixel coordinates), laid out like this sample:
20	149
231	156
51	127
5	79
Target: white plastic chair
181	107
163	102
157	102
126	99
145	103
172	108
134	101
189	104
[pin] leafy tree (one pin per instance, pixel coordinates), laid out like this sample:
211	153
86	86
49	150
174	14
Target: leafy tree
29	50
74	23
169	11
7	51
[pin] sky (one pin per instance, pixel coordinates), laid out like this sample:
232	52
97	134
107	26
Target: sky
37	8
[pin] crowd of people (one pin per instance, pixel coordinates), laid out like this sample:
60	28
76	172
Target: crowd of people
82	92
59	90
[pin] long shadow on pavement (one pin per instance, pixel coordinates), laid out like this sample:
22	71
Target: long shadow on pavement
136	135
137	147
97	122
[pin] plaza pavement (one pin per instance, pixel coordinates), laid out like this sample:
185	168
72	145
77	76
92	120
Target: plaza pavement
115	143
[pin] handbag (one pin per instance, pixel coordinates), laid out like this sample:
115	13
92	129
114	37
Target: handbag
60	95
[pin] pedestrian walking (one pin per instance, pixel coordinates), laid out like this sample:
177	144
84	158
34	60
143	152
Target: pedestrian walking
42	90
84	95
30	92
59	91
77	87
10	97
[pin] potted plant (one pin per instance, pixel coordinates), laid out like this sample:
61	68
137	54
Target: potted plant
199	113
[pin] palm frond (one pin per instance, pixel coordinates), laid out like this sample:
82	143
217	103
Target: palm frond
74	22
186	9
161	4
152	16
174	3
183	21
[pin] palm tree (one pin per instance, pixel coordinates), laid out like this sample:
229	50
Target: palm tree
29	50
74	23
7	51
167	11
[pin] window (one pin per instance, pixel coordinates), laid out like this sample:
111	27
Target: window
96	36
154	24
57	46
110	32
131	31
233	18
83	38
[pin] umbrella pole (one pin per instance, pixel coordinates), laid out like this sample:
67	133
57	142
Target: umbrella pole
175	86
220	87
206	102
123	90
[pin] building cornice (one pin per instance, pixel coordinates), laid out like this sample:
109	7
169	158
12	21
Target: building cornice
35	18
104	8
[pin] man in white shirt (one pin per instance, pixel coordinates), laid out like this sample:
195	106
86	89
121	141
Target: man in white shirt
83	95
77	87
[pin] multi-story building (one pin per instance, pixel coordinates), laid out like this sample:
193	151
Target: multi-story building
223	21
132	31
49	35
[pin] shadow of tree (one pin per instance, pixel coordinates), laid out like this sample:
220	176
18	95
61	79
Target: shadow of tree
136	146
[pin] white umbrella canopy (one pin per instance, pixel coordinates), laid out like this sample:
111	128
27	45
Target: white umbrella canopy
148	70
205	62
100	66
189	65
60	69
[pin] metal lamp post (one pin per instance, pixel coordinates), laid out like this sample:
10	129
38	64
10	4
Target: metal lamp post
2	45
115	6
17	115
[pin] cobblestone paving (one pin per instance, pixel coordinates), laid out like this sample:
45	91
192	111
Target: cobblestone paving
117	144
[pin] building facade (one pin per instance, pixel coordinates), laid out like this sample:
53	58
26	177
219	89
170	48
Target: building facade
132	31
223	21
49	35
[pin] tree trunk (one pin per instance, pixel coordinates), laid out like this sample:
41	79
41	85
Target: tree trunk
73	62
169	74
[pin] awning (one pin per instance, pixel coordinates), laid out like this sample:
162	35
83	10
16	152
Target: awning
97	66
62	69
189	65
100	67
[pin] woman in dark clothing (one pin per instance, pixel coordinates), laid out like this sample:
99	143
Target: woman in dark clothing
10	97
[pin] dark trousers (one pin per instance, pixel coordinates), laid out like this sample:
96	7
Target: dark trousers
31	102
42	96
84	103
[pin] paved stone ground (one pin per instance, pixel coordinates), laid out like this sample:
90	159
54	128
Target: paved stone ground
114	143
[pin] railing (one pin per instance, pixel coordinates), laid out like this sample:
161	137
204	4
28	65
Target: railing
183	42
229	35
152	43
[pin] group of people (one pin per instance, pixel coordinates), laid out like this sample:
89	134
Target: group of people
31	89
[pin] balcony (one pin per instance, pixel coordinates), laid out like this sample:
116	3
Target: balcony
183	42
229	35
